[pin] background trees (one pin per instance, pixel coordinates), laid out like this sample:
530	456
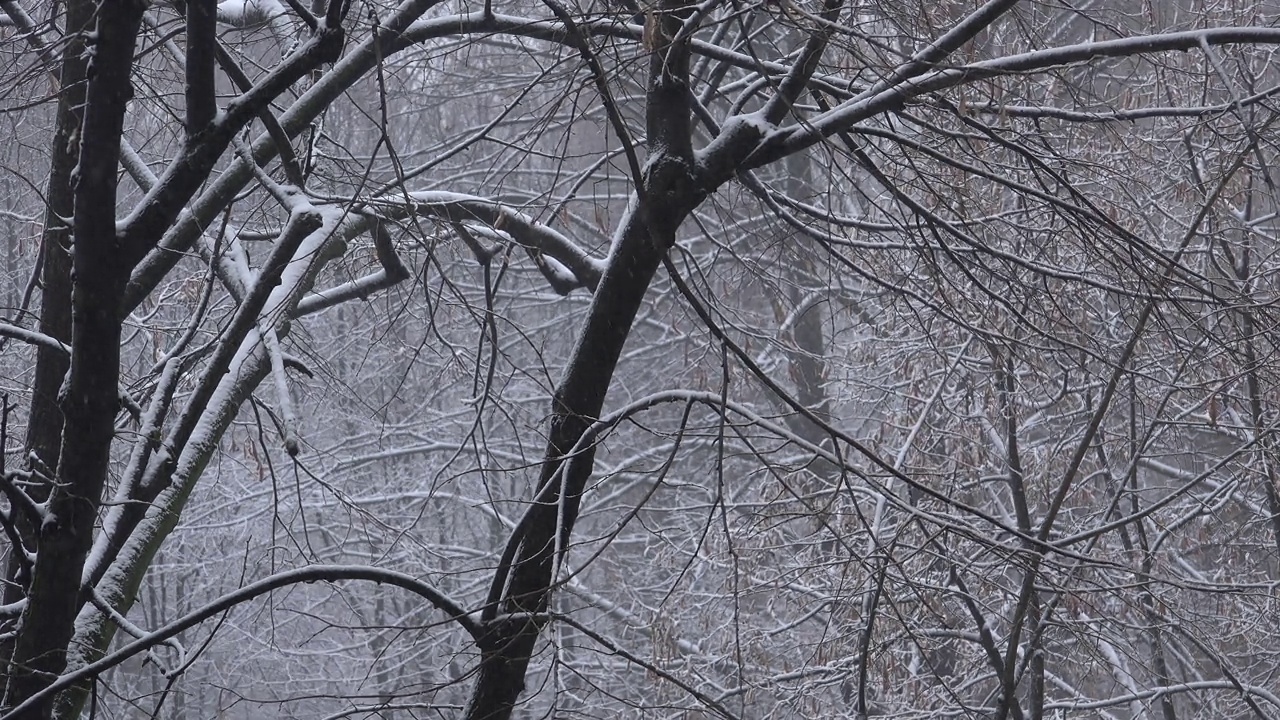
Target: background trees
721	359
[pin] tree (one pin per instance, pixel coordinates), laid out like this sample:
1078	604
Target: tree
946	386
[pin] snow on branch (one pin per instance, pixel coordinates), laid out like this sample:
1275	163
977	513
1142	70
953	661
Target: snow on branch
164	204
250	14
1067	706
393	269
746	143
32	337
127	625
1107	116
246	13
20	501
530	234
875	101
12	14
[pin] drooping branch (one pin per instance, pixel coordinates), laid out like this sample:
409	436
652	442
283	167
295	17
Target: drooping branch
530	234
314	573
393	271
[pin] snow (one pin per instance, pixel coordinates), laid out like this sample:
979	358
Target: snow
248	13
47	520
558	271
633	207
149	451
320	299
738	131
252	14
754	121
290	420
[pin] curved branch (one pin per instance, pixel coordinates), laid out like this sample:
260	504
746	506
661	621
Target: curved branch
1149	693
527	232
315	573
872	102
33	337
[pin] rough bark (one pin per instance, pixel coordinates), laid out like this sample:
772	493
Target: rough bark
44	429
91	400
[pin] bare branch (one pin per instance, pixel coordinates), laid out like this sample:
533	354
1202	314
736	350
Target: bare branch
314	573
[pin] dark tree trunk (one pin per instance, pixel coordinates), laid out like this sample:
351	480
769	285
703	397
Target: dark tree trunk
44	429
668	193
89	405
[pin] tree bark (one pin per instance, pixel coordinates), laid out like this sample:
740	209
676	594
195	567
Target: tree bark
89	406
668	192
44	429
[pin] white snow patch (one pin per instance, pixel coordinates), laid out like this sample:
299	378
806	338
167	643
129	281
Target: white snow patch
247	13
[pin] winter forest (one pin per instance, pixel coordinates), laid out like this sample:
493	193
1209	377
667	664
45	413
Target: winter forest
689	359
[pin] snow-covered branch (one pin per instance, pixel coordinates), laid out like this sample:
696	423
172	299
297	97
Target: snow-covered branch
530	234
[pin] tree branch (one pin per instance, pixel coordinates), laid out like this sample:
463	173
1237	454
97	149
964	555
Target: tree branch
315	573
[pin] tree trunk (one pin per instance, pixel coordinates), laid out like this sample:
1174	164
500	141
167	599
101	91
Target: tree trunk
44	429
668	192
89	406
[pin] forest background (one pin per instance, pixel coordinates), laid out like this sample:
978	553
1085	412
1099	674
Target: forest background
563	359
